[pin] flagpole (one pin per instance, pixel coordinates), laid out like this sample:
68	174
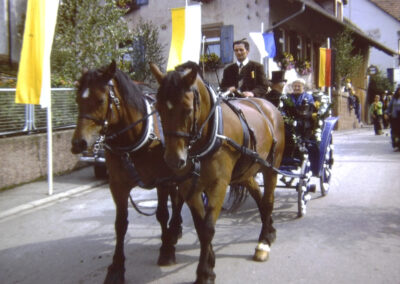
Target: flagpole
328	44
49	150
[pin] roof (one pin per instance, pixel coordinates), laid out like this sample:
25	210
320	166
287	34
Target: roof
392	7
311	5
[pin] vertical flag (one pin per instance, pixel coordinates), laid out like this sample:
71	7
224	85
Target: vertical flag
33	84
325	67
186	35
265	43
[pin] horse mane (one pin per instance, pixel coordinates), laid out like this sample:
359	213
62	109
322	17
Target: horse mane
130	92
171	87
190	65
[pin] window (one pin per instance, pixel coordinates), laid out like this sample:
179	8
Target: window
218	39
296	46
280	42
212	40
308	49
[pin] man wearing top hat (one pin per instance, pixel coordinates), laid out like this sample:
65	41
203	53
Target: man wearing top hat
244	78
277	83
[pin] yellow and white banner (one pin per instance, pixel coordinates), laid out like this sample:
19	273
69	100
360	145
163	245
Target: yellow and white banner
186	36
33	84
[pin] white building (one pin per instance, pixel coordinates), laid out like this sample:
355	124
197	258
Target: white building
380	20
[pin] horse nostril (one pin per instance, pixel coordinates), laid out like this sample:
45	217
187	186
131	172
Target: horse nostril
78	145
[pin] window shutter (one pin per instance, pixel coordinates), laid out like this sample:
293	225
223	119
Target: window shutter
142	2
226	44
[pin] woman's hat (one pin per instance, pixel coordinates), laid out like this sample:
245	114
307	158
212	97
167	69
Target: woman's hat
278	77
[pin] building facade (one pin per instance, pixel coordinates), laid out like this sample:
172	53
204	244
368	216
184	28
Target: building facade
379	24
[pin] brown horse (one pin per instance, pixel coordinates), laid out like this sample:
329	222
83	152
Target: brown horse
112	106
241	131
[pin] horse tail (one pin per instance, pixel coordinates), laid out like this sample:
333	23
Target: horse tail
237	196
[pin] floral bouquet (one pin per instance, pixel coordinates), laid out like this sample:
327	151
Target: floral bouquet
303	67
286	62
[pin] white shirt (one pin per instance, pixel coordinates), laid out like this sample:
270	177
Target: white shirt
243	63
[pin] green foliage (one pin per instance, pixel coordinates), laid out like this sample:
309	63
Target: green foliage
210	61
378	84
90	33
348	61
145	48
87	35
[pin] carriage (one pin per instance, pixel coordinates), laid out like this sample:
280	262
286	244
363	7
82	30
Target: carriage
309	148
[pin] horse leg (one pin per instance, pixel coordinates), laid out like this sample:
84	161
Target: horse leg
268	232
204	222
116	271
175	225
169	236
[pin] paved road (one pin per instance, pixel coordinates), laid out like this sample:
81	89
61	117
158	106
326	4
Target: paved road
350	236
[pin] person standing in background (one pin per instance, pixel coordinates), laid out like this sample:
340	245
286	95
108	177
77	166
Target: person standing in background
393	114
277	84
376	112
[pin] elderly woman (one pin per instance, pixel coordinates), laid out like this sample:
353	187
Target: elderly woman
298	96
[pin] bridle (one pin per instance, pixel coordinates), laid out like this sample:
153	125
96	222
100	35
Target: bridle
106	137
195	131
193	135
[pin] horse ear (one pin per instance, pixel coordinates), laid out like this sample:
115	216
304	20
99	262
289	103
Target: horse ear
190	77
156	72
109	72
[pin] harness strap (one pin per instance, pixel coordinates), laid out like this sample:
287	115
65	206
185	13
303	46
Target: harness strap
271	156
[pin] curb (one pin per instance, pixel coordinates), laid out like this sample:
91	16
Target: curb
40	202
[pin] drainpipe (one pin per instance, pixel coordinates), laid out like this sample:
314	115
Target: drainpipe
9	33
302	9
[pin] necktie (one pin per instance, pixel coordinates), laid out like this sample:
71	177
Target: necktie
240	67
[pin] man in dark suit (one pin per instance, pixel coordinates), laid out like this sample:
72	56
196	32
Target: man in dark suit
244	78
278	82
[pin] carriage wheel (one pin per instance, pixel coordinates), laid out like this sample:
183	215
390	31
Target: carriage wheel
287	181
303	197
325	177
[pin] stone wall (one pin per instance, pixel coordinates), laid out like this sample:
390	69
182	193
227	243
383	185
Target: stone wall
24	158
347	116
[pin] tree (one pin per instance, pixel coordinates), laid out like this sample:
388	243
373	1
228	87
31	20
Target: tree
144	49
90	33
87	35
378	84
348	61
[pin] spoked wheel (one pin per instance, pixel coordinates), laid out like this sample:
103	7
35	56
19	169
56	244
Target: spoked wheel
326	174
301	204
303	196
287	181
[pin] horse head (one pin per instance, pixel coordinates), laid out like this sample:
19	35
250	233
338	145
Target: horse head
178	106
93	106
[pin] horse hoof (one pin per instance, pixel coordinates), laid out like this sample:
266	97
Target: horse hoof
262	252
203	280
115	277
167	256
166	260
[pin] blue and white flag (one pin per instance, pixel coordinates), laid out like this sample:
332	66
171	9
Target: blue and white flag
265	43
